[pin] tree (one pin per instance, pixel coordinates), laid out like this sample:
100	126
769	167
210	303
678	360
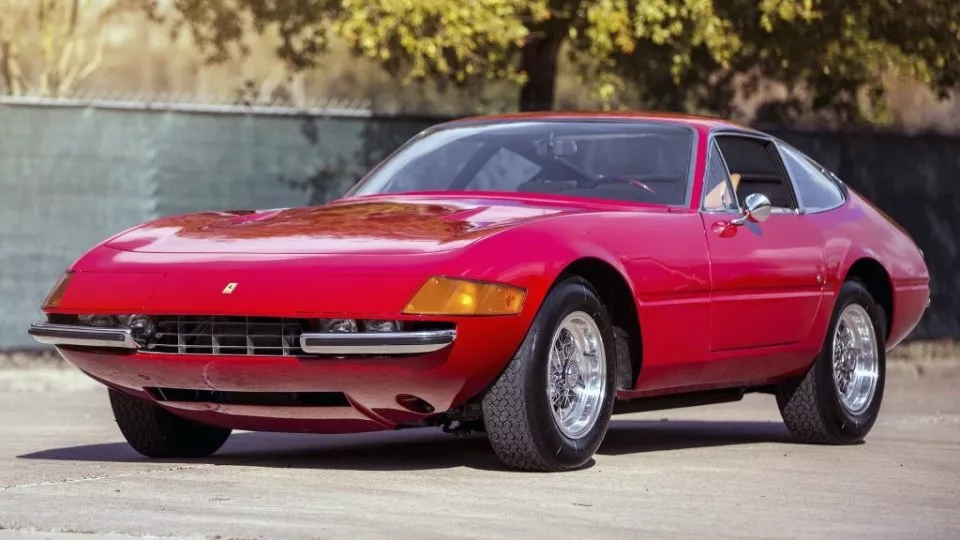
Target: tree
50	47
678	53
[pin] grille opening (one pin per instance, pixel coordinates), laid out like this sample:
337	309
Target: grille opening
263	336
60	318
235	335
423	326
277	399
244	336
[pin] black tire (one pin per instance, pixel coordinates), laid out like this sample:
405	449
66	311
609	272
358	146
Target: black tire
811	406
624	367
517	411
158	433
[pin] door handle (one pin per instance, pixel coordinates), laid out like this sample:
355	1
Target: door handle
724	229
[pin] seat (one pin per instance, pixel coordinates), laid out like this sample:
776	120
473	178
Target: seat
769	186
720	197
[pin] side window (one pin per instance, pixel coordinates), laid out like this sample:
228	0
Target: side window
754	167
504	171
815	190
719	194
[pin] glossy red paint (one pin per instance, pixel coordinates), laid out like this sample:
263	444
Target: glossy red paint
718	307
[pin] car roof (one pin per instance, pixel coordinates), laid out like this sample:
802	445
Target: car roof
702	123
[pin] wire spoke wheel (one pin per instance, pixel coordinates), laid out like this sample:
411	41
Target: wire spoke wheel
550	408
856	360
576	374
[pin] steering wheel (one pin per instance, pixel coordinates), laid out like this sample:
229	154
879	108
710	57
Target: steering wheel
616	179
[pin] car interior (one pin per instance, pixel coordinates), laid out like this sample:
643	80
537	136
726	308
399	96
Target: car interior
756	163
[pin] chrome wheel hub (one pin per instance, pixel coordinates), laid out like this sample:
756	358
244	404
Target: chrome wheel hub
856	360
576	374
572	376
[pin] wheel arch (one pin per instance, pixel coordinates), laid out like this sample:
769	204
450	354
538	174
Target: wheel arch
618	296
875	277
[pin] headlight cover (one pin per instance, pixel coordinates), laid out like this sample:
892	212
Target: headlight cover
447	296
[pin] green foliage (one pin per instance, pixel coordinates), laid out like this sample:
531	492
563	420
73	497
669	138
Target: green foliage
676	54
456	40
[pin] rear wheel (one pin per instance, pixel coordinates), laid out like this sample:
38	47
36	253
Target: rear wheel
838	400
157	433
550	408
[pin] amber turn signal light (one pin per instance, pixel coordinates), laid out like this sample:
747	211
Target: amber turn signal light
445	296
53	299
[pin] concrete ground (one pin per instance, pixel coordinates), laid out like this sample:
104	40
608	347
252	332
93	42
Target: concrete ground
710	472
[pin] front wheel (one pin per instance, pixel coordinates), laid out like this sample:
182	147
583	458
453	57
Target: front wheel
550	408
838	400
157	433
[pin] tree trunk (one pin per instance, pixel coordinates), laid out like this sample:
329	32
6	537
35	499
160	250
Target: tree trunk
10	67
539	62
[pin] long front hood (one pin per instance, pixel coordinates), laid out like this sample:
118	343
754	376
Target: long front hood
291	288
378	226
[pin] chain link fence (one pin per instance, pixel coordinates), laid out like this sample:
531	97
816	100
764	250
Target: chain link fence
75	171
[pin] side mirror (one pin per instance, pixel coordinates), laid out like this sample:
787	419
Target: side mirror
757	209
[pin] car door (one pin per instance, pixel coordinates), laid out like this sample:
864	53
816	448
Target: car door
766	278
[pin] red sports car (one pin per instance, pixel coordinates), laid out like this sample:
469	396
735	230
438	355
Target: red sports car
527	276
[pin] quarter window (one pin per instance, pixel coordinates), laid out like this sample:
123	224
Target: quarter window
719	193
815	189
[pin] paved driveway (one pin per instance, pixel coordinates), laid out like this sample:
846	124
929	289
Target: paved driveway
709	472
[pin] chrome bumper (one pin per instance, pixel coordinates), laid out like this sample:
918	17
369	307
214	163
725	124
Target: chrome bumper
85	336
377	342
345	344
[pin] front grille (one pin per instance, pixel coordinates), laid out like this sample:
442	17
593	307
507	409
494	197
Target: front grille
276	399
221	335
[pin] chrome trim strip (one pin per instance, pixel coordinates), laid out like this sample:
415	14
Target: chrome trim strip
84	336
377	342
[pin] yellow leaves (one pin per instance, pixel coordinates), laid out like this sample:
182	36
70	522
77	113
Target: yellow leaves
607	88
624	29
608	27
541	13
446	37
787	10
651	41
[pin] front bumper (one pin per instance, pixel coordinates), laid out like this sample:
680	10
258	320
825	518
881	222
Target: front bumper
354	388
382	343
83	336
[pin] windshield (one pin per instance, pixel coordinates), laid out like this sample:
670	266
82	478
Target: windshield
623	161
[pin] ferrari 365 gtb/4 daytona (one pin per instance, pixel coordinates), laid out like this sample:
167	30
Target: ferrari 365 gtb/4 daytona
527	276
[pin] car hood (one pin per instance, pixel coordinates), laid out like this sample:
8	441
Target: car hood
400	225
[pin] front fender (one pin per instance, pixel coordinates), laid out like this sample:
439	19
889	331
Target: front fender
532	258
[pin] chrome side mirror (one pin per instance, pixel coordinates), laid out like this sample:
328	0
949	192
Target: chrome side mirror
757	209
